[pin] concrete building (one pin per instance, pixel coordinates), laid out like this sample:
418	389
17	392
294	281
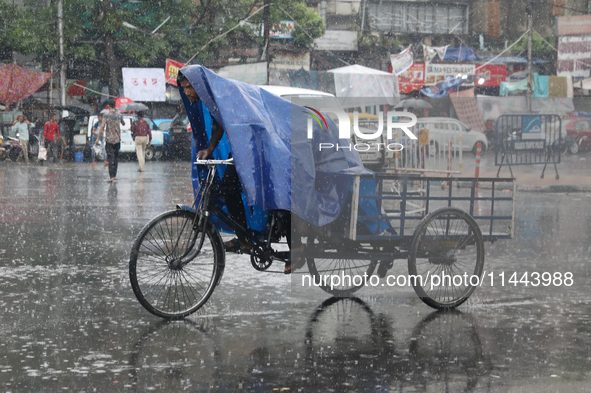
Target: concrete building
506	19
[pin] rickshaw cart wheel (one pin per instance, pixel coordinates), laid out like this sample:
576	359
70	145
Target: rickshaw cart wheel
169	276
320	267
447	244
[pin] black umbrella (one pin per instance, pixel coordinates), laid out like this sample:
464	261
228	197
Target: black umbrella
133	106
415	103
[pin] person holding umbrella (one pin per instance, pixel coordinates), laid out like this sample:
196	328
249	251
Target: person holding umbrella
141	131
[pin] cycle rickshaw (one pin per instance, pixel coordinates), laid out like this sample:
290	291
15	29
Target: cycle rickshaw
178	258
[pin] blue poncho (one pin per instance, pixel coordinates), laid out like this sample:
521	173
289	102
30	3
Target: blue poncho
278	166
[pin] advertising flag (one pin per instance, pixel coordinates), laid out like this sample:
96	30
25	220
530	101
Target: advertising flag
402	61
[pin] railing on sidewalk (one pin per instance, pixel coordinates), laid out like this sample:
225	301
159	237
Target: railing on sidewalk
441	155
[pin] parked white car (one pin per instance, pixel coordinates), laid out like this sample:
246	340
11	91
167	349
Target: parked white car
127	143
442	130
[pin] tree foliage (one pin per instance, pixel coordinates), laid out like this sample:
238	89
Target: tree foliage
540	47
308	24
92	27
25	31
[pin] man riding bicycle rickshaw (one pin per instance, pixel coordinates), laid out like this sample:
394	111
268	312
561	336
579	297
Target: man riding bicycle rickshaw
261	132
350	224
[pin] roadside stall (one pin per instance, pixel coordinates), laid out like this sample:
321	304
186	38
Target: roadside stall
356	83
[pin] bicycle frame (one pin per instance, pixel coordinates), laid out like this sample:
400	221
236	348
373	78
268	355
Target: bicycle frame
205	209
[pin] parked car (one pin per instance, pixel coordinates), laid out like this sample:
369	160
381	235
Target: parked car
154	152
443	129
162	124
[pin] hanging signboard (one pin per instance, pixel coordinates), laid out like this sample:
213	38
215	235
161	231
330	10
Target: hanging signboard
436	73
283	29
337	40
418	75
144	84
290	61
171	70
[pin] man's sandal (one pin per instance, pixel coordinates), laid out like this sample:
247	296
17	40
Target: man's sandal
236	247
294	264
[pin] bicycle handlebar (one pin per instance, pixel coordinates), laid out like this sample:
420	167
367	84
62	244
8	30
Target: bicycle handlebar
229	161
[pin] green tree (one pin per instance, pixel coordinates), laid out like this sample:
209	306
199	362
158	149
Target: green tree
24	31
308	24
540	47
119	33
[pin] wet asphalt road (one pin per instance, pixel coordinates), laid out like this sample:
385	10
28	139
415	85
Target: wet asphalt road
70	321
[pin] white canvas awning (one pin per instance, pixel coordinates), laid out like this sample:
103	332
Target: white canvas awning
584	84
357	84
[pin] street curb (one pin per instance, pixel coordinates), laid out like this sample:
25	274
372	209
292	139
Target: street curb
551	188
531	187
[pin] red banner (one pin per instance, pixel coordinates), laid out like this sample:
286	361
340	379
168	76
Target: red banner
412	79
77	88
492	74
171	71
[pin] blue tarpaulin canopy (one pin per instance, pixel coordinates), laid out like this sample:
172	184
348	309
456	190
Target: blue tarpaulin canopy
511	59
449	85
279	167
463	53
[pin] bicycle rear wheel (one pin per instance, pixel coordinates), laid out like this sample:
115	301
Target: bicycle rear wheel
169	275
350	270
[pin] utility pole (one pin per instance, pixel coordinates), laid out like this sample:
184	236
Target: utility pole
266	30
362	16
530	26
60	28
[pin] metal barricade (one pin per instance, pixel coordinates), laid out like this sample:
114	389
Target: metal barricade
526	139
440	153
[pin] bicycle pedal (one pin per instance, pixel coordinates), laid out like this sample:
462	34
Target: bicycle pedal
384	267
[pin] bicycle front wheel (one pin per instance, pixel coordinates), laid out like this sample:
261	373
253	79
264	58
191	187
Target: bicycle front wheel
447	250
170	275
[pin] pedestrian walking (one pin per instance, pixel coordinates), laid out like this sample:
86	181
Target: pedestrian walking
64	132
21	127
93	139
51	136
142	132
112	122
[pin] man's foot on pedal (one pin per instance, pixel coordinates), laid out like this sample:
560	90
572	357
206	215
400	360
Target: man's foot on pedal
237	247
294	263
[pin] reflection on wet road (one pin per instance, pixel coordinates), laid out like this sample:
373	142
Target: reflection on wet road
70	320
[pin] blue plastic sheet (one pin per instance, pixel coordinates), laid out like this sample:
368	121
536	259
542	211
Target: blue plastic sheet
278	166
449	85
462	53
